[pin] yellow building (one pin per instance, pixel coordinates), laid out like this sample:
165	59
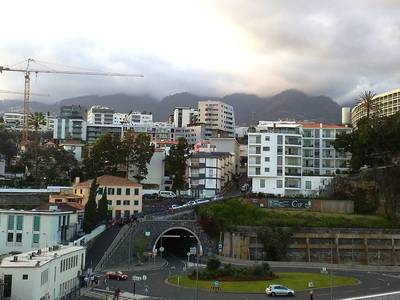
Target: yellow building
124	196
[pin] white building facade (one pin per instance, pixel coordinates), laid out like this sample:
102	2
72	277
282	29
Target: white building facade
133	118
100	115
184	116
289	158
30	230
218	118
47	274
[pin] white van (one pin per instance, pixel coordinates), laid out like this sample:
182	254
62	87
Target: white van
167	194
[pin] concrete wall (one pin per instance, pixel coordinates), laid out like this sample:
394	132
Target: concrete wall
337	245
333	206
21	200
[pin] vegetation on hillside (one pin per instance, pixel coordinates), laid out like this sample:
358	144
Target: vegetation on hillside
228	214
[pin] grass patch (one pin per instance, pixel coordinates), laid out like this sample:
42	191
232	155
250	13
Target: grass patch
293	280
235	212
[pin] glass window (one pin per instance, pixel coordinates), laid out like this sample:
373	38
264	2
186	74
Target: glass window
136	192
266	169
279	184
267	138
100	191
257	171
262	183
118	202
35	238
266	159
109	202
127	192
24	276
10	222
136	202
19	238
20	220
127	202
10	237
265	148
118	191
36	223
308	185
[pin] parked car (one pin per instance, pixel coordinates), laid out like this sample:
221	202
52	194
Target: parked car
278	290
167	194
174	206
117	275
217	197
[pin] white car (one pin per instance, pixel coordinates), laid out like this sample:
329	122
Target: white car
278	290
167	194
174	206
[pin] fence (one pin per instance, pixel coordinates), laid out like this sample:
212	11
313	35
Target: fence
90	236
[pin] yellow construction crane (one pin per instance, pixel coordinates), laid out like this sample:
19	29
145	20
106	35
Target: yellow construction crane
28	71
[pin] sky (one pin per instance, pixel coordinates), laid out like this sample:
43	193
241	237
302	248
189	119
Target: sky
206	47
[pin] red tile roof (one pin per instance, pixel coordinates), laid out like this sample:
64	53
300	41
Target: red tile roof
64	206
108	180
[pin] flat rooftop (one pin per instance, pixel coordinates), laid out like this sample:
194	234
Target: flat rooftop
25	260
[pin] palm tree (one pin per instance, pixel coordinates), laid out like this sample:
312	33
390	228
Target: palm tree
36	120
367	100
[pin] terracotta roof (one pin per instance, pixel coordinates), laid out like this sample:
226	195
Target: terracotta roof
166	142
108	180
318	125
65	206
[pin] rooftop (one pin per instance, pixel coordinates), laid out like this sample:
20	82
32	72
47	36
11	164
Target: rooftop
210	154
65	206
108	180
28	260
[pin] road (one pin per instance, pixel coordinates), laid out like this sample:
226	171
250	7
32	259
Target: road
370	283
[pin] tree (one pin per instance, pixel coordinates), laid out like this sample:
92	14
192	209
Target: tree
105	157
90	216
367	100
176	164
8	143
276	242
139	245
102	208
140	155
36	120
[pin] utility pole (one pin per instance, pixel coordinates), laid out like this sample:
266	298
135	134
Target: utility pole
331	271
197	272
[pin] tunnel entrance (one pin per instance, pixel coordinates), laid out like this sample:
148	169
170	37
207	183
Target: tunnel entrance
177	242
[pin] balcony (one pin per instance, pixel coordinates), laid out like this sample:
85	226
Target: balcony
293	141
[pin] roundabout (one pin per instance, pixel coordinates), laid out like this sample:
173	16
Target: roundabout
298	281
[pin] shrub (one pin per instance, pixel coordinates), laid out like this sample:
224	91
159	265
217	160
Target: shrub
213	264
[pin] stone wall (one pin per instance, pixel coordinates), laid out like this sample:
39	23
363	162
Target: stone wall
336	245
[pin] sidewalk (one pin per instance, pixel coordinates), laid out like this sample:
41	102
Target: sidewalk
311	265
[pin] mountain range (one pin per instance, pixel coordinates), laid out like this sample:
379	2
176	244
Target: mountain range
249	108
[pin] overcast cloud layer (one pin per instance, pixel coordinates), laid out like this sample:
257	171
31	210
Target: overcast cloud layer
336	48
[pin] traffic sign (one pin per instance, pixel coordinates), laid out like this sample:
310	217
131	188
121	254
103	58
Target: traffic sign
144	277
136	278
147	233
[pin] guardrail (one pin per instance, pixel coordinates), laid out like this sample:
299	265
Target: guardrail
90	236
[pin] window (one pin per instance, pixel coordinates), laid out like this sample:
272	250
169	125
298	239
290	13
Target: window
36	223
19	238
100	191
24	276
118	202
136	202
118	191
44	277
109	202
279	184
266	170
257	171
136	192
265	148
111	191
267	138
262	183
127	192
10	223
127	202
266	159
20	220
308	185
35	238
59	222
10	237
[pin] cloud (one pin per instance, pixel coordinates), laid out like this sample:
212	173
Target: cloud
336	48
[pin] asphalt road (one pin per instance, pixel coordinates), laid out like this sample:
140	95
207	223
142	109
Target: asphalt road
370	283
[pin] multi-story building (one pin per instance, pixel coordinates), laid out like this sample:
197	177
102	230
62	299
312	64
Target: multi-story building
133	118
193	134
96	131
184	116
100	115
14	119
49	273
123	195
69	125
289	158
218	118
38	228
209	172
385	104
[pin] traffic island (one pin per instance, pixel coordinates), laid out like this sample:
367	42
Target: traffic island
297	281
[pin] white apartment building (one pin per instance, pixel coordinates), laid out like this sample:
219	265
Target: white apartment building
69	129
100	115
192	134
218	118
289	158
50	273
14	119
209	172
34	229
184	116
133	118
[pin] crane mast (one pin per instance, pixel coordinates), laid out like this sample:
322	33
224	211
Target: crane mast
27	88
